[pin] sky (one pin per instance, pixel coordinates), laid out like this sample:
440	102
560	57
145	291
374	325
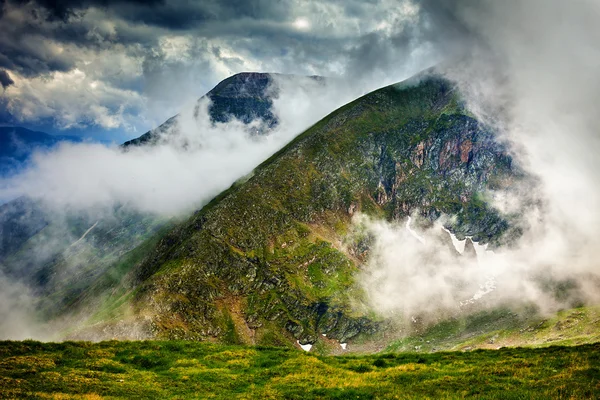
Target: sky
113	69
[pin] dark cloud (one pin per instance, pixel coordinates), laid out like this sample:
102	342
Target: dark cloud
168	51
64	9
26	27
178	15
172	14
5	79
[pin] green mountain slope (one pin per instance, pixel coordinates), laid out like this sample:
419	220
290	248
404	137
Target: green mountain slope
268	261
504	327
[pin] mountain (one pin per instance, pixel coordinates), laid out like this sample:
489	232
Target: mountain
62	255
247	96
271	260
17	144
57	255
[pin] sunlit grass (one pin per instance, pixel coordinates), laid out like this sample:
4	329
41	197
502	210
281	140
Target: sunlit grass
202	370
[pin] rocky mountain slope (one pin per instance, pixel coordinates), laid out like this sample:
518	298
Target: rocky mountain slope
269	261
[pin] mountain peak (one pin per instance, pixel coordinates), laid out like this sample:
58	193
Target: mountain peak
246	96
243	84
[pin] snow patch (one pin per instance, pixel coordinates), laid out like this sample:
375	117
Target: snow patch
490	281
412	232
459	245
488	287
305	347
480	249
85	234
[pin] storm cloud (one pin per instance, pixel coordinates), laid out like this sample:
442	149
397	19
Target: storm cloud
5	79
140	62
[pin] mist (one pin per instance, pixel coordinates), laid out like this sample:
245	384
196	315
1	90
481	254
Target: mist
529	70
194	160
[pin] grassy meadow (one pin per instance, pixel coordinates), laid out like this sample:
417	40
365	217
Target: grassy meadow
182	370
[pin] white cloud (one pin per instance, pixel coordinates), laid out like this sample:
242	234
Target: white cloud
142	74
193	163
74	99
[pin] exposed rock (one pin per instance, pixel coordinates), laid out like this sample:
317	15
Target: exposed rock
247	96
469	251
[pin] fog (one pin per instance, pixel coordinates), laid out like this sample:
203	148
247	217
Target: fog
101	186
194	160
529	69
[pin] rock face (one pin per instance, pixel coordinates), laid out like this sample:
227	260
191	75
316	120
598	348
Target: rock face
247	96
269	257
442	171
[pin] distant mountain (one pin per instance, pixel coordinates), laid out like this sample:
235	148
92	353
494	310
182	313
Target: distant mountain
64	257
247	96
17	144
269	261
20	219
59	255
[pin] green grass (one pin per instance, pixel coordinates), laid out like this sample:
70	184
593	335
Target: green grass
503	327
201	370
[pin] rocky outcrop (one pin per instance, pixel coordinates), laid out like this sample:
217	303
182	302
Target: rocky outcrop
246	96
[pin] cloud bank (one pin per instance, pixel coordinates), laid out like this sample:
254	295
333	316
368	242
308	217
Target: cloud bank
529	69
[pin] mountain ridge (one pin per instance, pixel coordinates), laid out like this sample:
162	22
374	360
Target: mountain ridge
38	248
